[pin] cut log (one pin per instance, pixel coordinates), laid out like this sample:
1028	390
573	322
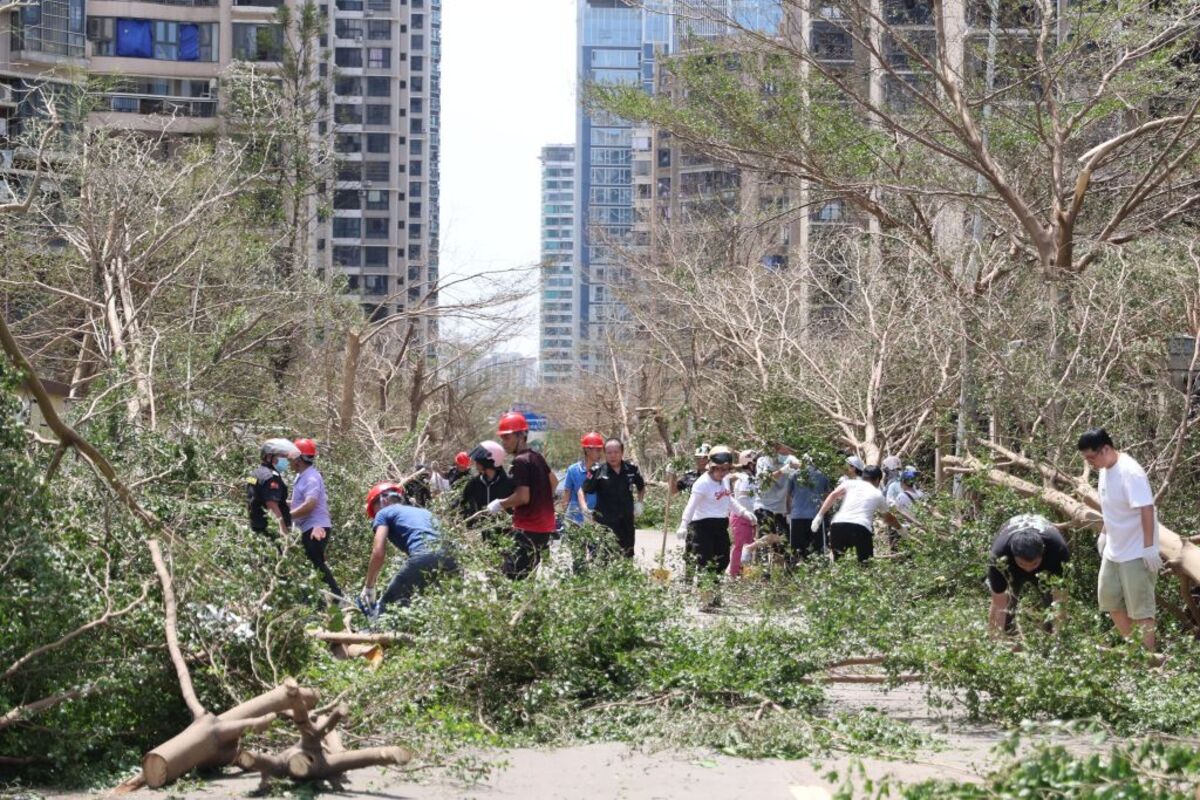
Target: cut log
341	637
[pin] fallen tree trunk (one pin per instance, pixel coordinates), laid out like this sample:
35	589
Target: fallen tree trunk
341	637
1181	555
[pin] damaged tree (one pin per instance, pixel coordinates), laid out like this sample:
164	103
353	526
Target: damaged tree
214	740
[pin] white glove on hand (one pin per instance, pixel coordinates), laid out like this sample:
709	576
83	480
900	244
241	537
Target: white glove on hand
1101	543
638	508
494	507
1152	559
367	596
816	523
681	533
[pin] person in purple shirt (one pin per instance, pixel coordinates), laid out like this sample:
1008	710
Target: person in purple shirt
310	511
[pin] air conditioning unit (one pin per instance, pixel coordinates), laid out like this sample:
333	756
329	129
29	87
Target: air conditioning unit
368	13
358	38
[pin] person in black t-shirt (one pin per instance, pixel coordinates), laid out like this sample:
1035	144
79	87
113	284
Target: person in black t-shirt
489	483
615	482
266	490
684	482
1027	546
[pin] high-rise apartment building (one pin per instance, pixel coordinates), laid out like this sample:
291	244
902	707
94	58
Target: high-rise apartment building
618	43
556	345
164	60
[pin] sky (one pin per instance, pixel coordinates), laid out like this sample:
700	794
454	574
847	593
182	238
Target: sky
508	88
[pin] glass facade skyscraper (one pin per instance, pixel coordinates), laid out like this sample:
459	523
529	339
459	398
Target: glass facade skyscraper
618	42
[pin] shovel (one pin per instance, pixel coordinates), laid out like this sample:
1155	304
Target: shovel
661	574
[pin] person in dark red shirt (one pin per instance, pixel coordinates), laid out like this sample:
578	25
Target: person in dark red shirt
532	501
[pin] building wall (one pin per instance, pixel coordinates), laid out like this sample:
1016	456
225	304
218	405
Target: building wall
556	344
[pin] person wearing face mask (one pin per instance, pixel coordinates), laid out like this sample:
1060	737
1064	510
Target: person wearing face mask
266	491
310	510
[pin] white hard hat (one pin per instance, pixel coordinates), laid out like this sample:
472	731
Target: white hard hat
280	447
856	462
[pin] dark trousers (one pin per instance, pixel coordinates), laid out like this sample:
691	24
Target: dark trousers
417	571
845	535
771	522
525	553
315	550
624	530
1014	591
802	541
708	544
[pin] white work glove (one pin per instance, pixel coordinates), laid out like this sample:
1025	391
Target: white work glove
1101	543
494	507
367	596
1152	559
816	523
681	532
638	508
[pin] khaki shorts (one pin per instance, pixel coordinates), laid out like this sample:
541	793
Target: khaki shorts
1126	586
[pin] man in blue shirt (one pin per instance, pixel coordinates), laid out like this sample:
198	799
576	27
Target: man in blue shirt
414	531
807	488
577	473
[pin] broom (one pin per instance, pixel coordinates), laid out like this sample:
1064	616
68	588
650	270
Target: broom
660	573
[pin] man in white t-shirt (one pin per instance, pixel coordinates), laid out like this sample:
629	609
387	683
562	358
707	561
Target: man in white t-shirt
1130	561
853	524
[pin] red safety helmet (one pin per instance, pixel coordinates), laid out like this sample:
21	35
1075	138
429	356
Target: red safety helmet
512	422
592	439
462	460
379	489
307	447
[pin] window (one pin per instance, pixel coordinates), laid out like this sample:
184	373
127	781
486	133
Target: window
349	171
376	228
347	114
347	57
348	87
378	143
347	143
347	256
375	256
414	230
414	169
379	87
158	39
417	22
379	114
50	26
377	171
418	42
415	147
377	200
260	41
416	105
416	125
414	189
379	57
346	200
417	83
620	59
347	227
379	30
414	252
416	64
348	29
414	210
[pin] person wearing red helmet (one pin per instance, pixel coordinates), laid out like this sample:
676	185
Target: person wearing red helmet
532	500
459	470
412	530
310	510
576	500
